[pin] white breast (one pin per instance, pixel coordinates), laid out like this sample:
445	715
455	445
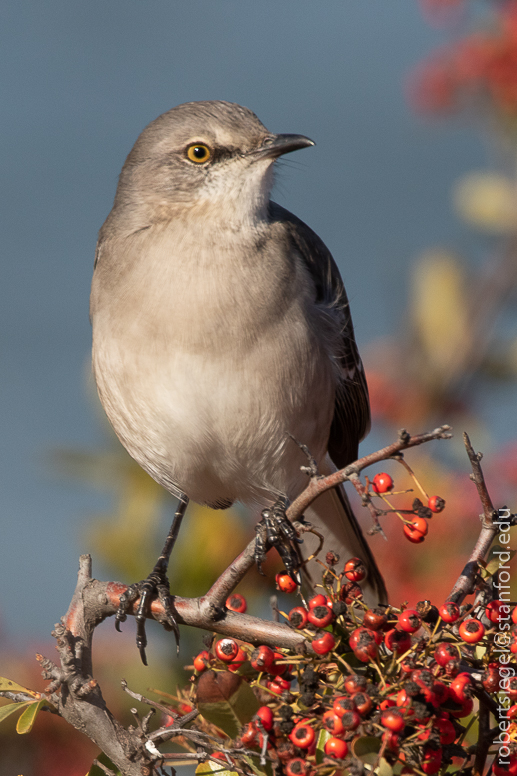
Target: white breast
203	380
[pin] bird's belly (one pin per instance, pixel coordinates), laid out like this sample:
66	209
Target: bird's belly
217	427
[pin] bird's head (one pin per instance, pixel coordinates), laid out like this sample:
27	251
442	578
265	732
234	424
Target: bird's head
210	158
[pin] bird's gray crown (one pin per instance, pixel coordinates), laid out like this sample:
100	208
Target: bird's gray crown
217	121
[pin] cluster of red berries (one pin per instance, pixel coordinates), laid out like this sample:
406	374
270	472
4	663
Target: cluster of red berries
415	529
480	67
407	678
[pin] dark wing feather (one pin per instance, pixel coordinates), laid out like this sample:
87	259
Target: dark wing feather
351	421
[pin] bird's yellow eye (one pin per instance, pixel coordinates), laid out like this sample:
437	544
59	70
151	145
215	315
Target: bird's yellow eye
199	153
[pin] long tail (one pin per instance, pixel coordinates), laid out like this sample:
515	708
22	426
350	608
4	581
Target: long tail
331	515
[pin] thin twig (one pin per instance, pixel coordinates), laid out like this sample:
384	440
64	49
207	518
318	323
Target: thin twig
320	485
466	582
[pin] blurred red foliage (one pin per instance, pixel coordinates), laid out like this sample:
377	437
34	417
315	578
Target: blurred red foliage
479	69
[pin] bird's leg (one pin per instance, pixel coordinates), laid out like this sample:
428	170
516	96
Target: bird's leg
275	530
156	584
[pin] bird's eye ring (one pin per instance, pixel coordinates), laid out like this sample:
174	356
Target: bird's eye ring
198	153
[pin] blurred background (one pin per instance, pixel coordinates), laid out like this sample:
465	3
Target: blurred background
412	185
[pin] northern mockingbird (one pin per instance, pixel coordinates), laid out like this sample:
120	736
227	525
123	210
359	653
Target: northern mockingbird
221	326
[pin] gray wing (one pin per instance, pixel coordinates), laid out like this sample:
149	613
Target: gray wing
351	421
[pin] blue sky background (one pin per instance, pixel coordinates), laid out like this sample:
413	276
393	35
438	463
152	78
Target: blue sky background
79	82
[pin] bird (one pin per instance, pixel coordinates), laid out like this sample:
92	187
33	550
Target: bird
222	339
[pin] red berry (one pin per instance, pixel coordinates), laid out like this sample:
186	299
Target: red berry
265	715
460	688
397	641
387	703
449	612
226	650
241	656
409	621
350	720
363	644
350	592
355	683
320	616
332	722
393	743
490	680
493	611
512	688
285	583
436	503
298	617
471	631
354	570
302	735
393	720
432	759
416	529
439	694
375	619
343	704
324	644
201	661
262	658
277	668
445	652
336	747
296	767
465	711
382	483
219	755
447	731
236	603
403	699
318	600
250	734
514	615
276	687
363	703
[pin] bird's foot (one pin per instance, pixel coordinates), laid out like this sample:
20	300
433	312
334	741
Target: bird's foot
155	586
276	530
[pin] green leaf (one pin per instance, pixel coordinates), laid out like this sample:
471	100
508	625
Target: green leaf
256	769
105	760
26	720
6	711
323	737
367	748
7	685
225	700
384	768
210	767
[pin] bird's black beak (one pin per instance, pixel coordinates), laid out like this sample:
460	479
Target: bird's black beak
276	145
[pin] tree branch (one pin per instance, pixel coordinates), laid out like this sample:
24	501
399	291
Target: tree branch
319	485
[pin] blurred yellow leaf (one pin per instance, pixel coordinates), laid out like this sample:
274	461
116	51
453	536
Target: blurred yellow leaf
488	201
440	311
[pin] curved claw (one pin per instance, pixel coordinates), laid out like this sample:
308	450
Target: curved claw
275	530
156	584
